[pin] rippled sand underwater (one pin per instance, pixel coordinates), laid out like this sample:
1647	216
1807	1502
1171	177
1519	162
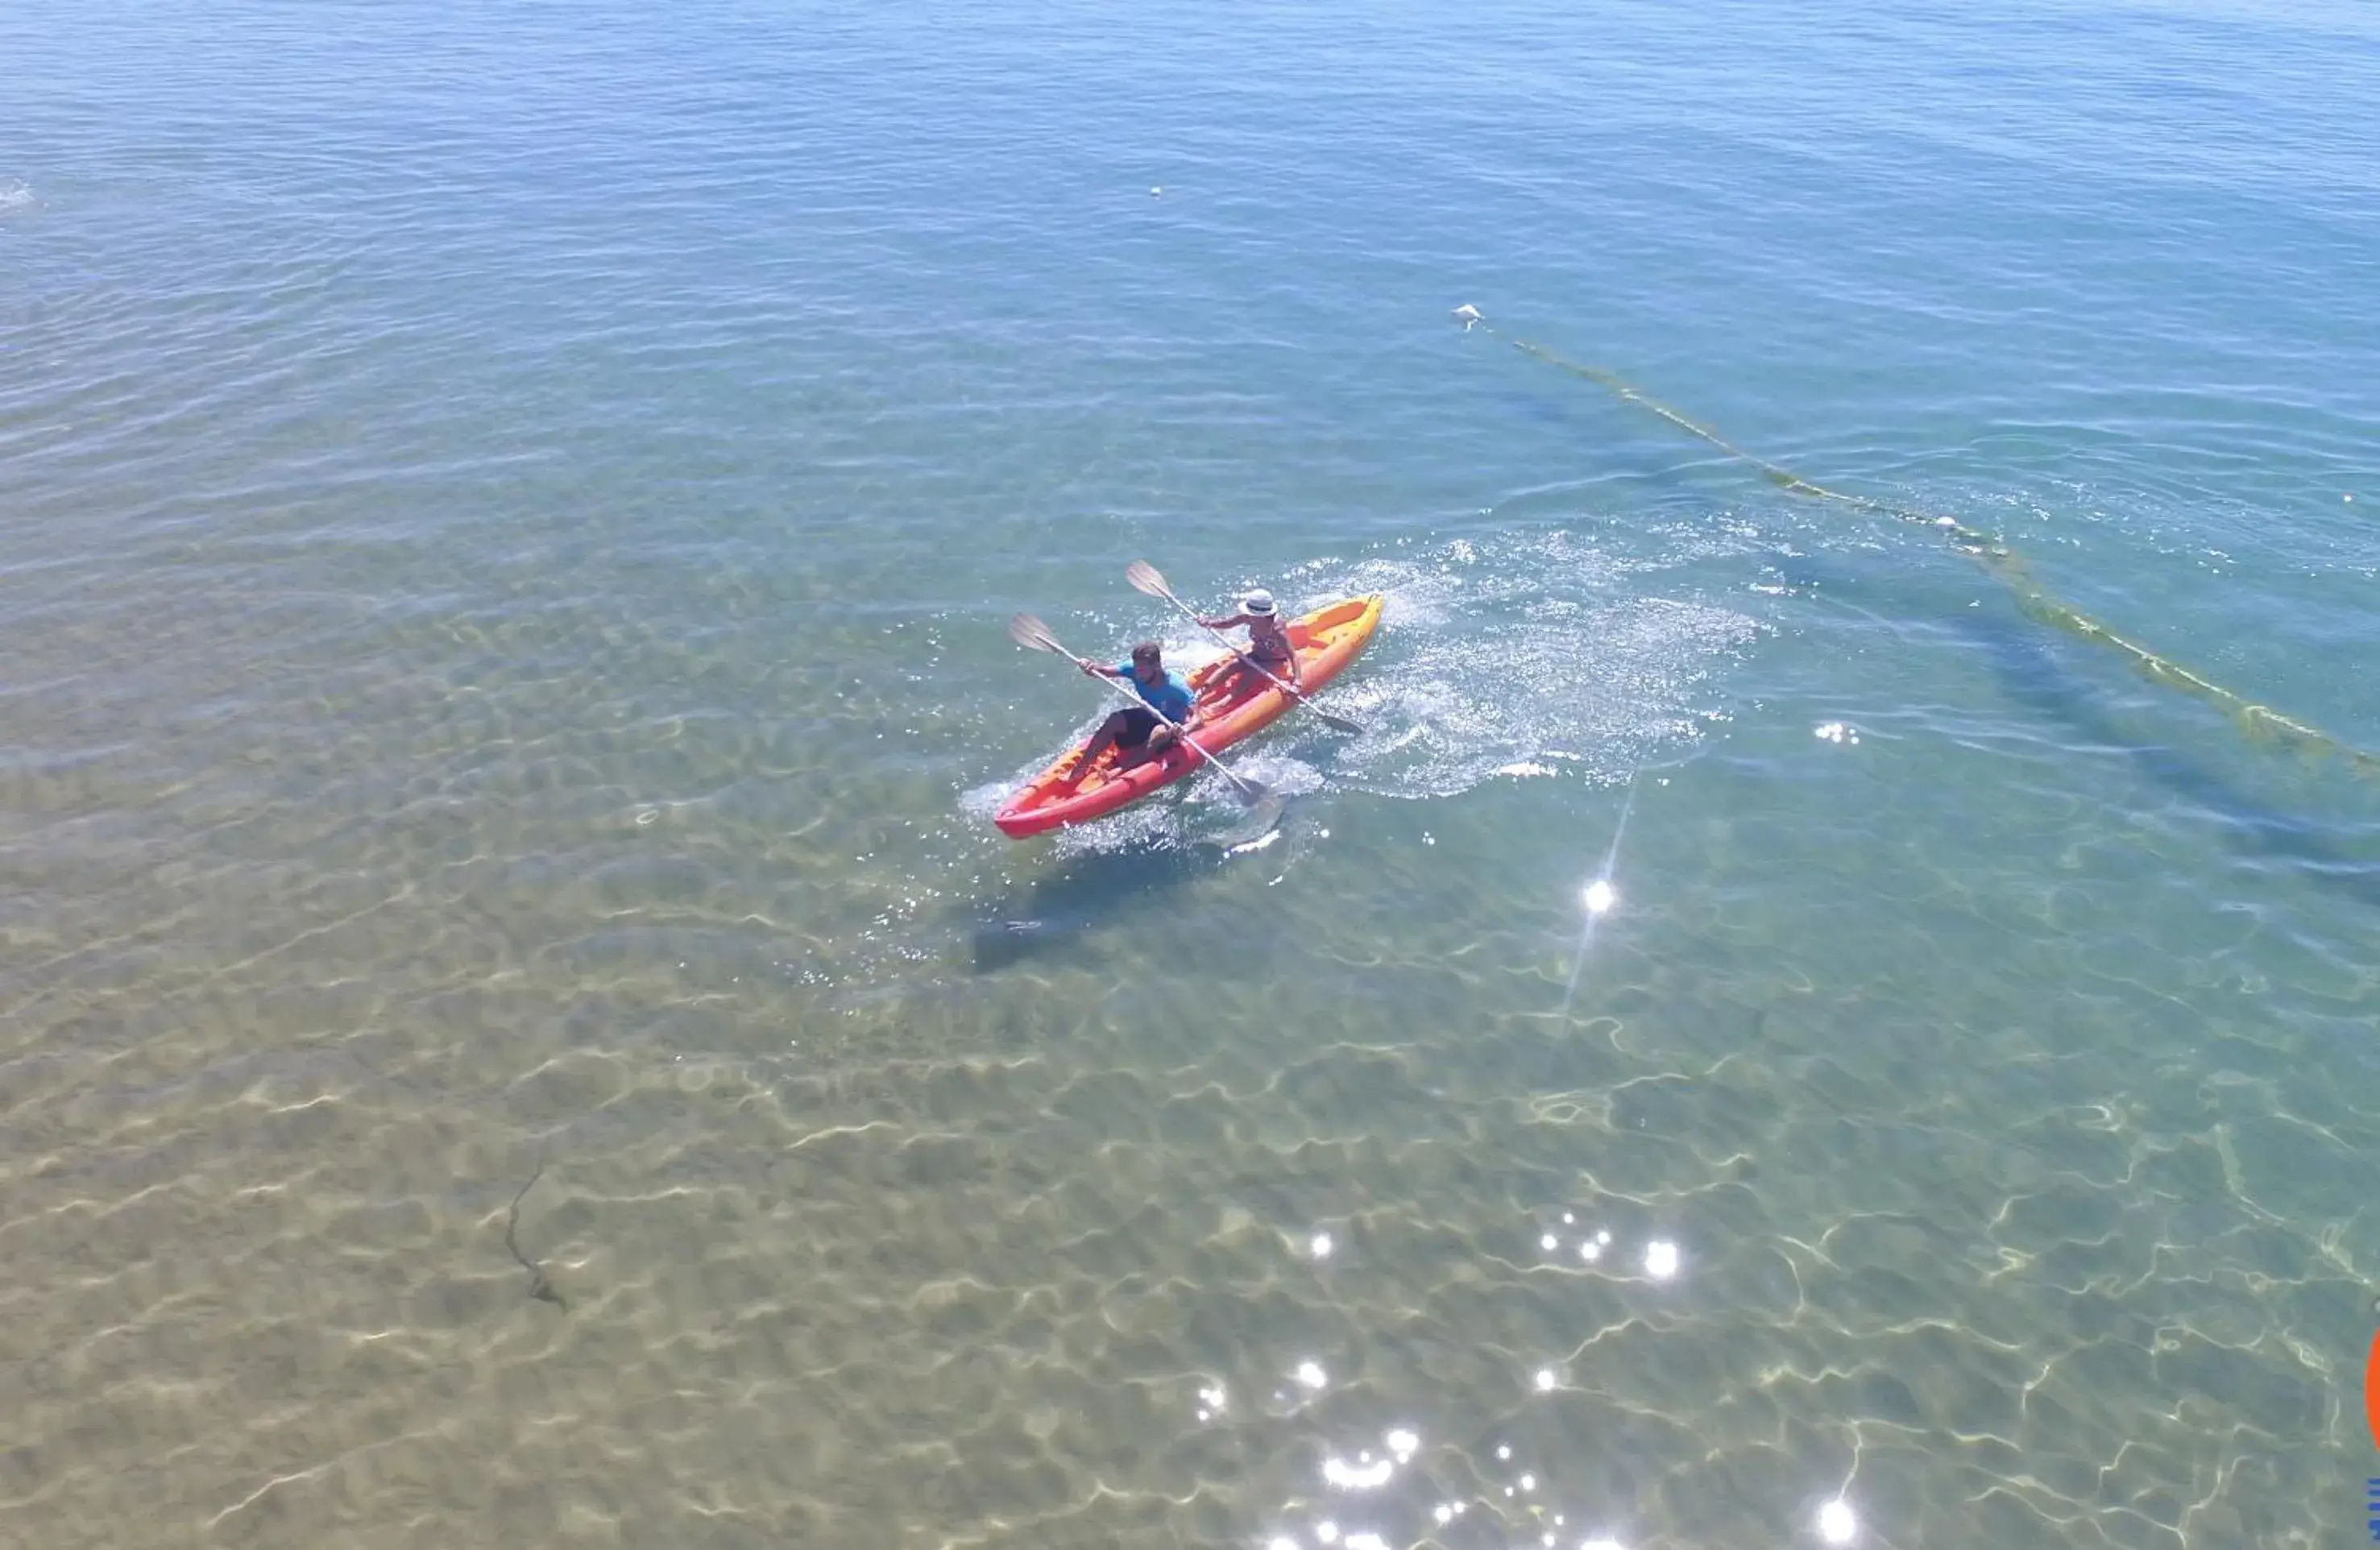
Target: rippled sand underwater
516	1029
1047	1235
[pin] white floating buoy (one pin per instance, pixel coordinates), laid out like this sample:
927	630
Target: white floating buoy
1469	314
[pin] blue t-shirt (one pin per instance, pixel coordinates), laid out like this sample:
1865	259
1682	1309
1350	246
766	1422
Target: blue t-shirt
1168	696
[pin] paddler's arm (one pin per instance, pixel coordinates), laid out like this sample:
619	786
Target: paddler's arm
1191	719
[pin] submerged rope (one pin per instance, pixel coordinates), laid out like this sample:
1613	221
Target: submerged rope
541	1286
2259	721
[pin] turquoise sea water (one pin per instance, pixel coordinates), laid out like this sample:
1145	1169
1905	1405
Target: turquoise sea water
510	514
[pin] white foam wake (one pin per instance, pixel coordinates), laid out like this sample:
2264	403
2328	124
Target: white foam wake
1529	653
1520	654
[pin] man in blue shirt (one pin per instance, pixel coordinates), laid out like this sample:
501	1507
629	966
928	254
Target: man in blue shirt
1140	732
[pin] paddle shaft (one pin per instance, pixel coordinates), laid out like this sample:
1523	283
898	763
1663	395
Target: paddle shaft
1295	693
1252	792
1033	635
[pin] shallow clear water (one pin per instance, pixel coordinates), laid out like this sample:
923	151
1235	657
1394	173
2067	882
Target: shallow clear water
510	521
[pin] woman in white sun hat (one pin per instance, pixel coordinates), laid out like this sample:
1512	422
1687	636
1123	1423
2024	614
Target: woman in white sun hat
1268	651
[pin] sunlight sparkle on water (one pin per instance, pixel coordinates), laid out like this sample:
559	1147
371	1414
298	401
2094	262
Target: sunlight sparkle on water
1370	1475
1600	896
1837	1522
1660	1259
1545	1380
1311	1375
1319	1245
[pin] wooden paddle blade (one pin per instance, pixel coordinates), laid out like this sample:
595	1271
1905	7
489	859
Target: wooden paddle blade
1033	635
1145	577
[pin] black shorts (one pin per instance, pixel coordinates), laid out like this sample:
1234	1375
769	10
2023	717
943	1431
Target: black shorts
1138	722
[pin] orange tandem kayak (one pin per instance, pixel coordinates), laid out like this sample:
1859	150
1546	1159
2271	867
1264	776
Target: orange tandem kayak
1325	641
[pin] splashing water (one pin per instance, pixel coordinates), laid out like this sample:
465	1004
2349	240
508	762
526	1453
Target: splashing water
1522	653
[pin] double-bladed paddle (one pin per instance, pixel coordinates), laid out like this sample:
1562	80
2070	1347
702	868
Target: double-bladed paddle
1034	636
1145	577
